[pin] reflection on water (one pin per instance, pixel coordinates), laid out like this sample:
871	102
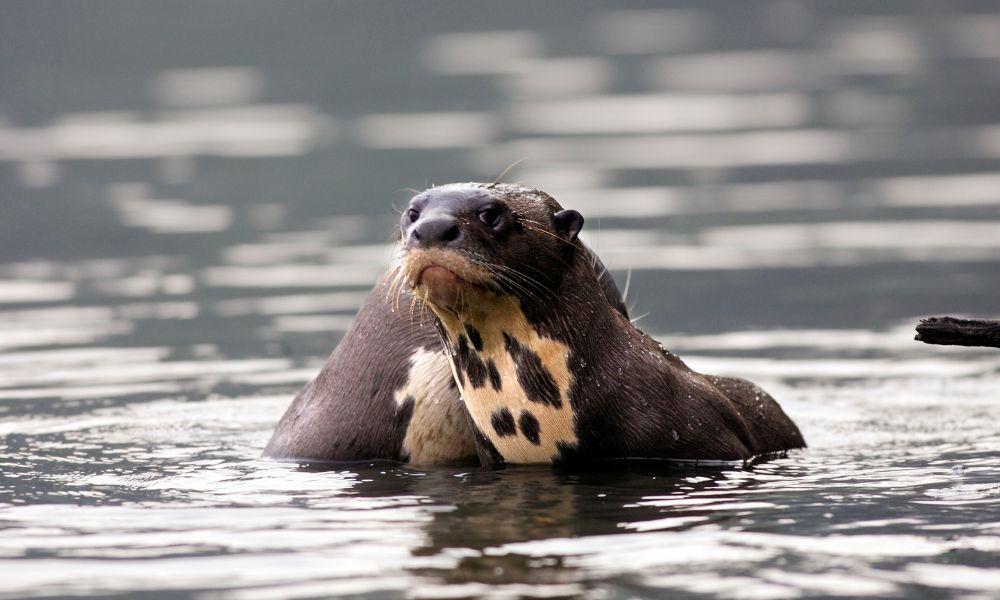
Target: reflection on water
189	222
899	478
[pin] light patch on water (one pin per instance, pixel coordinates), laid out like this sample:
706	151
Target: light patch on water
852	368
271	252
171	216
480	52
834	584
812	245
798	147
262	130
601	238
876	46
208	86
660	524
857	109
780	195
926	235
13	291
577	76
89	374
974	35
557	180
37	173
965	493
650	31
267	215
322	589
664	112
160	371
84	392
33	335
643	202
90	269
89	355
898	338
337	230
620	553
66	325
151	283
857	546
720	586
744	71
426	130
972	189
949	577
312	323
291	304
252	570
286	377
987	141
292	275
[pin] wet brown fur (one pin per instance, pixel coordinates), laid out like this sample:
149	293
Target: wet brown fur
628	397
356	408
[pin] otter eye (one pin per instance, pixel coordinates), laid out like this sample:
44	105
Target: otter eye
413	214
490	216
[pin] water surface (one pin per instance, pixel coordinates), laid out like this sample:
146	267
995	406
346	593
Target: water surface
195	201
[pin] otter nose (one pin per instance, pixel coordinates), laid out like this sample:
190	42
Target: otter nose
440	231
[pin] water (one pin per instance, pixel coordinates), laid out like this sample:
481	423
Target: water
195	200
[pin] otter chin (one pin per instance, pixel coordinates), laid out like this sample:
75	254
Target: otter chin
549	367
440	286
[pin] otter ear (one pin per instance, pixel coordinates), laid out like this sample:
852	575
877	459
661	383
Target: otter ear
568	223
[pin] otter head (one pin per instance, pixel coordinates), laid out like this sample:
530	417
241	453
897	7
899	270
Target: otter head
491	263
464	245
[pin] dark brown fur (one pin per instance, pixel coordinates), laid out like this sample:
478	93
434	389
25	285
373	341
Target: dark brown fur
630	398
349	412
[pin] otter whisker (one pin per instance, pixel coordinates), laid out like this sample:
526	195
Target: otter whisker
513	278
528	285
505	171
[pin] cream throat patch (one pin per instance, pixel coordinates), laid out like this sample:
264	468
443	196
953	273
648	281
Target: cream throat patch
430	434
514	381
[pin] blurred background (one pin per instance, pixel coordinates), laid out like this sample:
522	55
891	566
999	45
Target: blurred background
196	197
778	164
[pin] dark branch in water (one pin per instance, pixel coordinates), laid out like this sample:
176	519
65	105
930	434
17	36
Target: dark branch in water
950	331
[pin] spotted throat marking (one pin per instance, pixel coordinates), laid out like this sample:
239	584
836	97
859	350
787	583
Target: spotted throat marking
430	435
515	382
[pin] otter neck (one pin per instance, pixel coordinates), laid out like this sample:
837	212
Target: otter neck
516	373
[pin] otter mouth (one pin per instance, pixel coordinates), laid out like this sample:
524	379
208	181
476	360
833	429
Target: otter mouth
442	286
444	278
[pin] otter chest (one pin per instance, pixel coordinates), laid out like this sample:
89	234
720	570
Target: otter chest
516	385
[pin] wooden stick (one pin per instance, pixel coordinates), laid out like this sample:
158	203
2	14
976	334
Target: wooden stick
950	331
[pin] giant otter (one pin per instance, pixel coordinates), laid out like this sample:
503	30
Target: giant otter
548	370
